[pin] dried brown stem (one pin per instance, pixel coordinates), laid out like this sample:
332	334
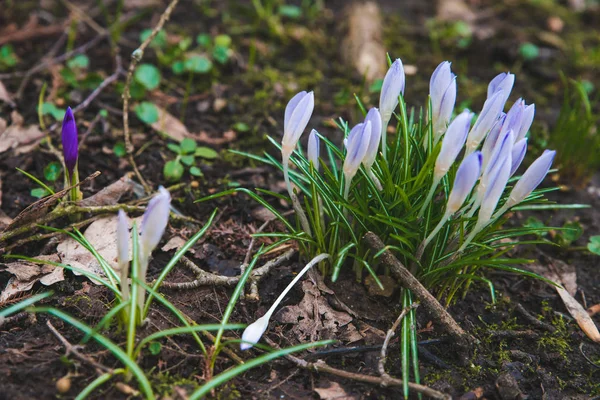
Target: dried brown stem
321	366
533	320
406	279
388	337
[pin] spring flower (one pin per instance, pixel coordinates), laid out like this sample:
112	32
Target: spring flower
504	82
357	145
531	179
313	149
374	118
514	117
453	142
69	141
526	121
442	90
518	154
391	89
487	118
491	139
254	331
123	252
297	114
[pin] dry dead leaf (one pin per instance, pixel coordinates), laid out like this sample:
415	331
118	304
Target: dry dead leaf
170	125
18	137
228	137
111	194
175	243
333	392
5	96
26	274
102	235
582	317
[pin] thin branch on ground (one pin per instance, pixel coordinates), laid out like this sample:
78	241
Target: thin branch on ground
70	349
321	366
533	320
464	340
13	319
388	337
136	57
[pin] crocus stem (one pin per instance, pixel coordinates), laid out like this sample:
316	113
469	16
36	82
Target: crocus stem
141	295
124	285
434	185
478	227
435	231
295	202
384	138
375	180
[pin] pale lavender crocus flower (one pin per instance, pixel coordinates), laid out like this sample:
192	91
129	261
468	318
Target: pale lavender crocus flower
374	117
518	154
255	330
123	253
391	89
491	139
313	149
503	81
442	90
357	145
526	121
514	117
452	144
485	121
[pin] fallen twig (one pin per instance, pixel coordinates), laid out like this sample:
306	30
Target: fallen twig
533	320
321	366
388	337
406	279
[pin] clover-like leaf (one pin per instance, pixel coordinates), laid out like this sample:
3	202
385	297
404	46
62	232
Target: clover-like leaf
173	170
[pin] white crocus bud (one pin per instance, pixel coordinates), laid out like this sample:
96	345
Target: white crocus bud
526	121
452	144
531	179
391	88
297	114
442	90
485	121
466	177
313	149
505	82
356	148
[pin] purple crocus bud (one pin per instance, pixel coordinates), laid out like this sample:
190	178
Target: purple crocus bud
374	118
122	239
466	176
526	121
487	118
313	149
518	154
154	221
504	82
392	87
453	142
297	114
530	180
495	188
357	146
69	141
514	117
491	139
442	90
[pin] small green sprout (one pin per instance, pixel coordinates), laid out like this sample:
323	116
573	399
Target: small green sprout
594	245
8	58
186	151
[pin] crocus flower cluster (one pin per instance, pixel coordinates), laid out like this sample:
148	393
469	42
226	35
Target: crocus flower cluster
154	223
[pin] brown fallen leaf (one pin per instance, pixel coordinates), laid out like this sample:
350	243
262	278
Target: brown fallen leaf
5	96
18	137
111	194
333	392
26	274
170	125
228	137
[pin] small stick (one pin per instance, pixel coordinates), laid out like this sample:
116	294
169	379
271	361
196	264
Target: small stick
70	349
388	337
533	320
406	279
321	366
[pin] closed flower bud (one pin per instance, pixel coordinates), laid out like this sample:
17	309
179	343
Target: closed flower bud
453	142
374	118
526	121
254	332
502	150
392	87
122	238
297	114
518	154
466	176
496	186
357	146
313	149
154	221
504	82
514	117
531	179
442	90
491	139
487	118
69	141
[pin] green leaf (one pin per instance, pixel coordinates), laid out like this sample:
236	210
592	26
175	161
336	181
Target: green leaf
206	152
198	64
80	61
174	148
159	41
178	67
376	86
573	231
290	11
52	171
529	51
241	127
173	170
535	223
147	75
185	43
56	113
188	146
38	193
203	39
7	56
196	171
221	54
188	160
223	41
594	245
155	348
147	112
119	149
